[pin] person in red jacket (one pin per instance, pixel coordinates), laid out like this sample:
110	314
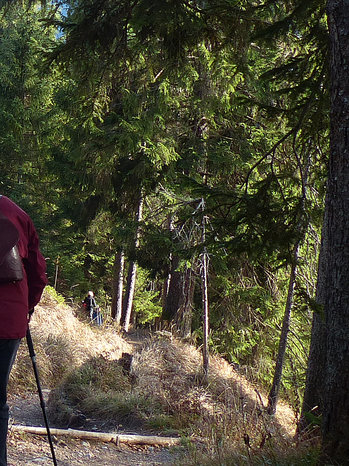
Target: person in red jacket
17	301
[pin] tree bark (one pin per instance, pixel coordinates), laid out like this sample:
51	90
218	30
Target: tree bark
169	271
314	387
131	282
336	399
173	291
274	391
184	314
118	285
204	288
129	294
179	300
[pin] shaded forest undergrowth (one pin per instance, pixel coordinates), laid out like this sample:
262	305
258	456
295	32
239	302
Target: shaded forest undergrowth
100	380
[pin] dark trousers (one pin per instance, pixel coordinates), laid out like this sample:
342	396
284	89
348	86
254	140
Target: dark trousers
96	316
8	351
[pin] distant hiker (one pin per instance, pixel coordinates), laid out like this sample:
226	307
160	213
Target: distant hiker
22	281
90	303
92	308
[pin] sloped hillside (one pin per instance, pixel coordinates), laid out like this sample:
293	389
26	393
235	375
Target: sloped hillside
62	341
162	390
170	372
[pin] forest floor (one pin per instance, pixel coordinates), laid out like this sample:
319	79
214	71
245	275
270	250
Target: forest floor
24	450
28	449
163	369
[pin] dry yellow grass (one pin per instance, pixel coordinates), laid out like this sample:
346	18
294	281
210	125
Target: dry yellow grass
225	410
62	342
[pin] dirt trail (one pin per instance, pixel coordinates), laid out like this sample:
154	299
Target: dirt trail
28	449
24	450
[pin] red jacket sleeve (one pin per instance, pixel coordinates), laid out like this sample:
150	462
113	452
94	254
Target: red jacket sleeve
35	267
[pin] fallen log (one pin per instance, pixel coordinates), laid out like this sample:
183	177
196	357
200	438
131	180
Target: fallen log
130	439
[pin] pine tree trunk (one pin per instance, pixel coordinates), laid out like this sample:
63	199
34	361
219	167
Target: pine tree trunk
131	281
336	399
184	314
118	283
274	391
166	288
178	306
170	270
130	289
173	296
204	288
314	386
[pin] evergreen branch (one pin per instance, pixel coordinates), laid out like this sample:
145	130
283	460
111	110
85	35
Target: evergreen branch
277	178
293	131
301	13
303	175
267	154
301	345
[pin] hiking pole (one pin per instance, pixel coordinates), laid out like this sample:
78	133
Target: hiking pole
42	402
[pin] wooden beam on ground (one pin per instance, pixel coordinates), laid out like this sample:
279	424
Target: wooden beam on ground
130	439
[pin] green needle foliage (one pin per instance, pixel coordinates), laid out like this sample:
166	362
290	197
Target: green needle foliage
222	104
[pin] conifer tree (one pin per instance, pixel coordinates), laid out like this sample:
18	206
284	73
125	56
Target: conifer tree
335	295
135	122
